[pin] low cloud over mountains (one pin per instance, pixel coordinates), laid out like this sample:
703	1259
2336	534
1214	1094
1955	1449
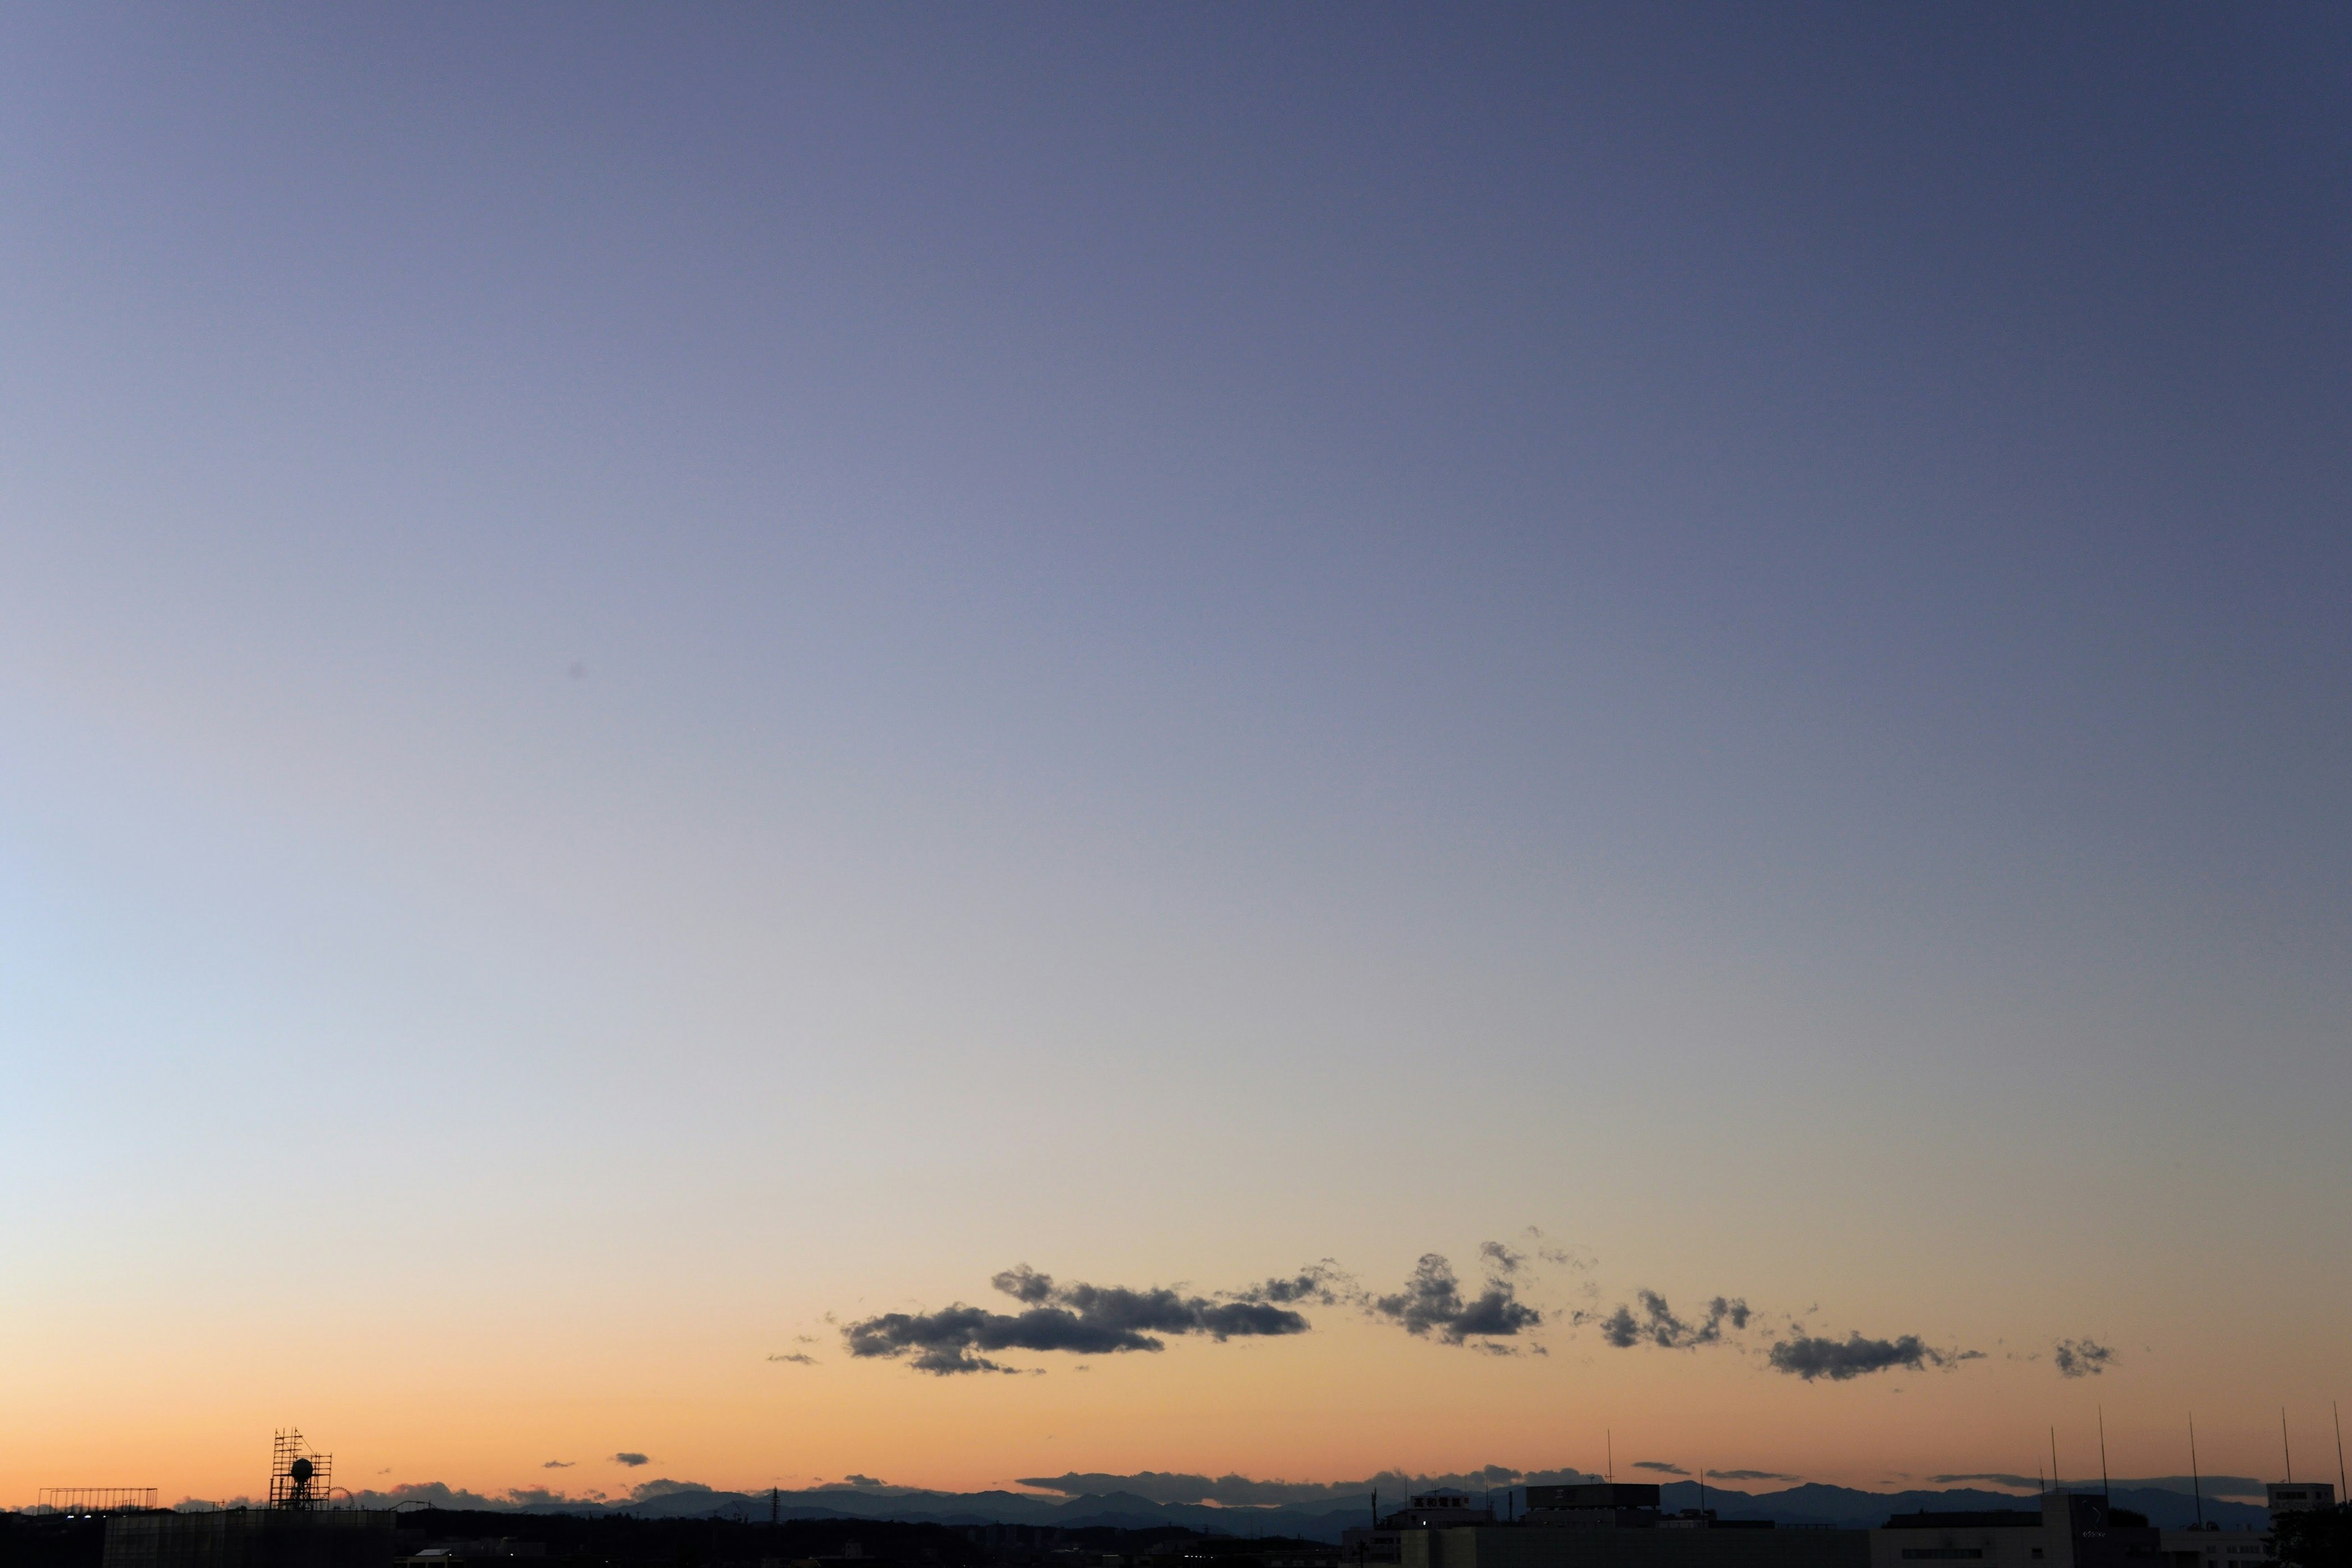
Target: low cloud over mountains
1244	1491
1315	1509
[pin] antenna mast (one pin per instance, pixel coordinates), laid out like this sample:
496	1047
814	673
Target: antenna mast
2196	1482
2106	1492
2284	1447
2341	1495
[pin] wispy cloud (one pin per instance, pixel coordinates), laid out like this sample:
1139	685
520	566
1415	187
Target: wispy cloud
2085	1357
1080	1319
630	1459
1323	1284
1752	1476
798	1358
1660	1466
1658	1325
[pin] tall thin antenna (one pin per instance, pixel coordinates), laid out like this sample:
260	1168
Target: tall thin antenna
1610	1437
2286	1448
2196	1481
2341	1496
2055	1484
2106	1492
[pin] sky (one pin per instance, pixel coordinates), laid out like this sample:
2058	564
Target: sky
677	684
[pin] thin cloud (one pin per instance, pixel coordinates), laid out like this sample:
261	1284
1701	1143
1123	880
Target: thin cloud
1752	1476
799	1358
1811	1356
632	1460
1432	1300
558	1464
1997	1477
1080	1319
1658	1325
1323	1284
1660	1466
2085	1357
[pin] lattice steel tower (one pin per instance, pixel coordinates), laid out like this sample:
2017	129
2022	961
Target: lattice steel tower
299	1476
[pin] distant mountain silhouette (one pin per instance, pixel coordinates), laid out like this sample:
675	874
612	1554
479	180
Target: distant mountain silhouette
2165	1504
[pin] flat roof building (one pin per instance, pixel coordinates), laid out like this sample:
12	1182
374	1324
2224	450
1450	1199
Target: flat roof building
2215	1548
252	1538
2301	1497
1600	1524
2069	1530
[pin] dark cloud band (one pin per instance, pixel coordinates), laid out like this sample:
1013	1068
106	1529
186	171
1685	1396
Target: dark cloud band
1078	1319
1810	1356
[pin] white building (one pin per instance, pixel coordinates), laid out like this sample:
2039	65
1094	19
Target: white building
2218	1549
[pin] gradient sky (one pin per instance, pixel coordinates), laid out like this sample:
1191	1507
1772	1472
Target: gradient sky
667	671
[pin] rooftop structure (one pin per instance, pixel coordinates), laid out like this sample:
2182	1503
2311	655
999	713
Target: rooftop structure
2070	1530
94	1500
2301	1497
299	1475
2216	1548
252	1538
